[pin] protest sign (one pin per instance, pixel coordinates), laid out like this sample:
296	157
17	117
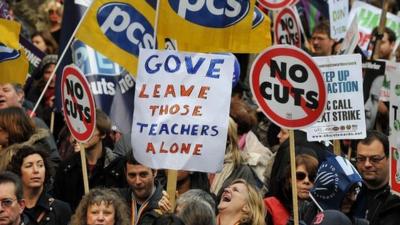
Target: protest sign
351	39
78	104
33	54
181	110
338	14
287	28
368	18
276	4
394	138
190	23
344	116
373	79
112	88
288	86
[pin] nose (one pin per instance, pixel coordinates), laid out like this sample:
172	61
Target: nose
367	163
35	168
100	217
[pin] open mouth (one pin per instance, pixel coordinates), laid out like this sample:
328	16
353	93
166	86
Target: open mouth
226	198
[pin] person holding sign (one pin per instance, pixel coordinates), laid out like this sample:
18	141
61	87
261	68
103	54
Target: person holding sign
241	204
280	206
105	168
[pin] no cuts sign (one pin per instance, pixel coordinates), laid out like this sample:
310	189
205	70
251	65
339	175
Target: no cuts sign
78	104
286	28
276	4
288	86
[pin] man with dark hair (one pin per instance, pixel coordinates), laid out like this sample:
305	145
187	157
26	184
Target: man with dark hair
373	164
11	203
321	41
143	193
105	168
388	42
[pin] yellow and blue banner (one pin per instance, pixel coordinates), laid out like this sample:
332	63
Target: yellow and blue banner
9	31
207	26
13	65
118	29
13	61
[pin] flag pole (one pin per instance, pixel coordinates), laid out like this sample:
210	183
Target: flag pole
59	60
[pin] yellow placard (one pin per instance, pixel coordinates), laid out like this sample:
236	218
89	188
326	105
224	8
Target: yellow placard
14	70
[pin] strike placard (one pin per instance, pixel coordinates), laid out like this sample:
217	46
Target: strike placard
78	104
181	110
286	28
288	86
276	4
344	116
394	121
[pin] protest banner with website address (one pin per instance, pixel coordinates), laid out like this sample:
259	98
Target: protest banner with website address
344	116
181	110
394	138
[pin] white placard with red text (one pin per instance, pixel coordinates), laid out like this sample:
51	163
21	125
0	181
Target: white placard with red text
181	110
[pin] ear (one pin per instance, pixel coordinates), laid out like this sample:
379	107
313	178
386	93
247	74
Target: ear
21	204
246	209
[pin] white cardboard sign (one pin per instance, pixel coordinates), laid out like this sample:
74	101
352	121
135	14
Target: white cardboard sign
344	116
181	110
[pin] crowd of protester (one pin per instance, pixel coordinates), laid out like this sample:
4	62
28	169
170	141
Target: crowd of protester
41	178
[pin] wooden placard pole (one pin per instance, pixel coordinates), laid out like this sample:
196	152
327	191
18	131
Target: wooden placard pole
171	186
294	179
84	168
381	29
336	147
52	122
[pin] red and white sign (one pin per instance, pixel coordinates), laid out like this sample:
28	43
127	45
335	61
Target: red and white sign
287	29
275	4
78	104
288	86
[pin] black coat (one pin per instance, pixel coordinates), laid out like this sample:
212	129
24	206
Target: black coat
151	212
383	207
68	182
48	211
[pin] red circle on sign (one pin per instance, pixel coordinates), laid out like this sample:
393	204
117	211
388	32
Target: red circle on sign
90	126
275	6
263	60
278	23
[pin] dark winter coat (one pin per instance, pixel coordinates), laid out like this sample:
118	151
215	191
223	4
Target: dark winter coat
68	183
151	211
49	211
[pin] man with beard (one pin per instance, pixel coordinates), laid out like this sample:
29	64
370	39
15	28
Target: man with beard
143	193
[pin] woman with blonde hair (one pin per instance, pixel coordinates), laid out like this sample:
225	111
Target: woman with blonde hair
234	164
241	204
101	206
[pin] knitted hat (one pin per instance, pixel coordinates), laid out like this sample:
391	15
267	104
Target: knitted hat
331	217
48	59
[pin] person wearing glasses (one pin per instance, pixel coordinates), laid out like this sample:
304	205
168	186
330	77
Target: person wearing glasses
12	203
279	207
373	165
33	166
